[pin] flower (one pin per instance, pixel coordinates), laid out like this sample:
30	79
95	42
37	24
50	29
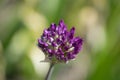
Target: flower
59	44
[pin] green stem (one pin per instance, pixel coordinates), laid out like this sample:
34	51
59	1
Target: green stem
48	76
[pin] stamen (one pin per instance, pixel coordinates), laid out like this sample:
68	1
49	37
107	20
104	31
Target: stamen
71	49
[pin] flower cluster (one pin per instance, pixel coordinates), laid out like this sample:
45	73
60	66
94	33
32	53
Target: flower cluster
59	44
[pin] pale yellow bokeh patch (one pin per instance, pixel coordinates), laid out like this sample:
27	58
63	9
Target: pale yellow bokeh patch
36	55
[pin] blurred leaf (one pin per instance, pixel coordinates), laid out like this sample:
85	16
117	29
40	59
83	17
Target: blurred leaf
107	66
17	25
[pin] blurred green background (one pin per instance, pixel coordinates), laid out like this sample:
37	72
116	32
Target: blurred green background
96	21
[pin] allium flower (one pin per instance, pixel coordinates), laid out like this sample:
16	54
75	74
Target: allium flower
59	44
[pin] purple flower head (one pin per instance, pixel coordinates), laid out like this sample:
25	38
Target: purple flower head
59	44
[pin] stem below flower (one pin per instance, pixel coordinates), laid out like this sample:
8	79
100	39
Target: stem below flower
48	76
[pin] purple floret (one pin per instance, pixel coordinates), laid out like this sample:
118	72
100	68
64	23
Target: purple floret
59	44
